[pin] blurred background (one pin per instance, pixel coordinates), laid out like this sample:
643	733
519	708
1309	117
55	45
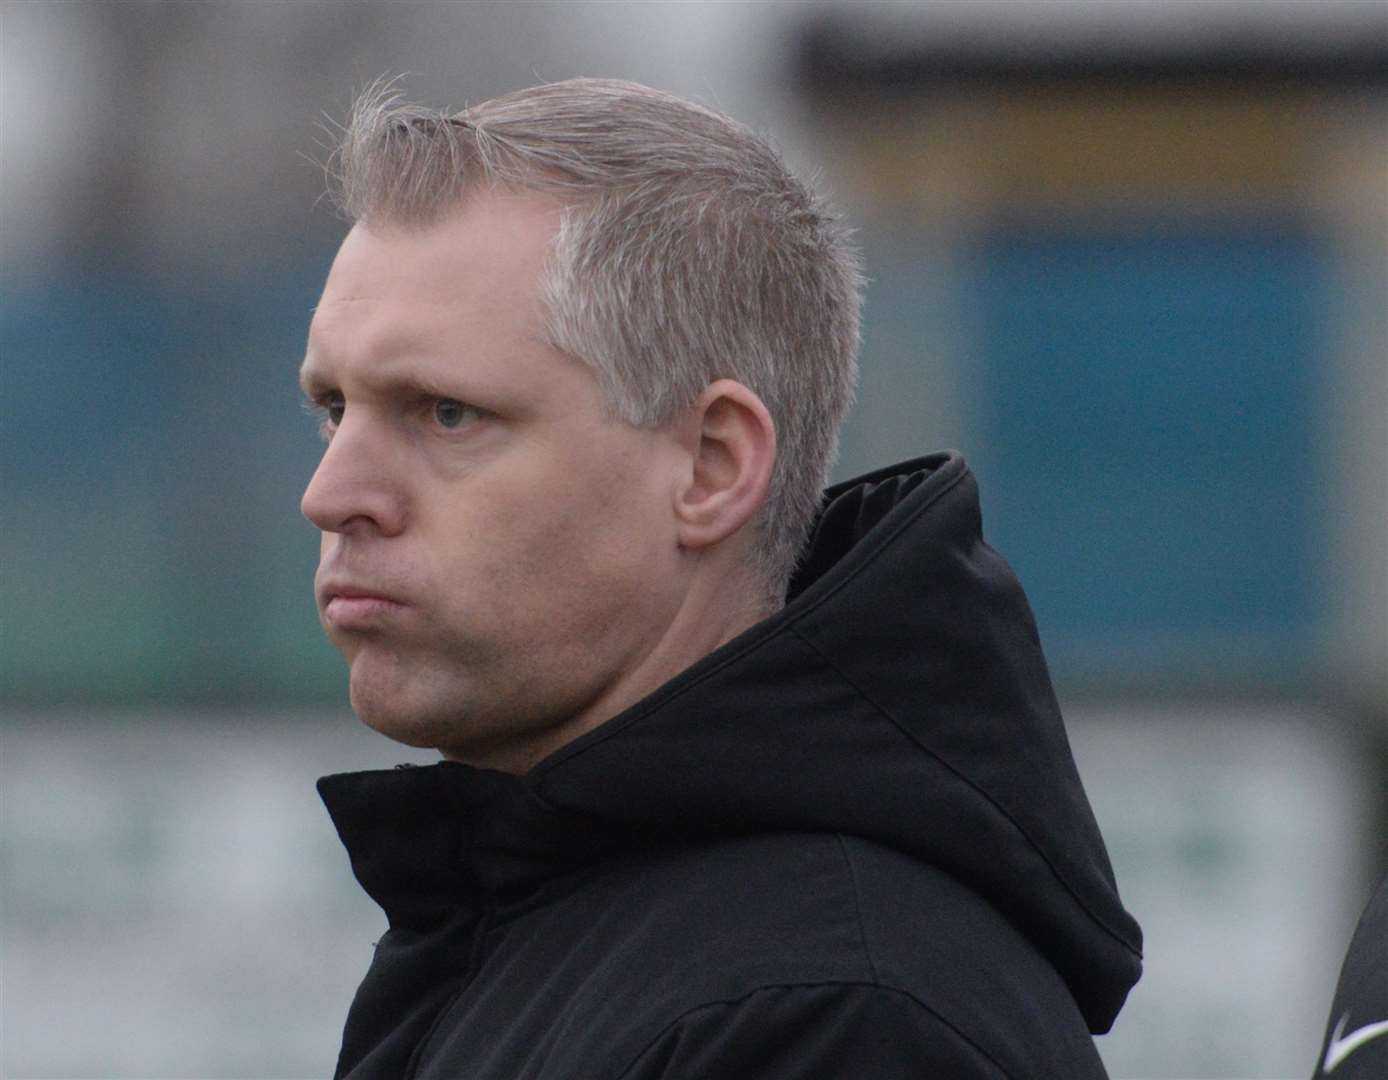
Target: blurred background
1131	258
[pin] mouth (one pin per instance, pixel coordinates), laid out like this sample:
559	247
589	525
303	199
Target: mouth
348	607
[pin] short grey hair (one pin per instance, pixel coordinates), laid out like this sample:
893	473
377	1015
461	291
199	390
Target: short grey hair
687	252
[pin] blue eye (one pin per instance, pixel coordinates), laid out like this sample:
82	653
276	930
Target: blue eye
451	414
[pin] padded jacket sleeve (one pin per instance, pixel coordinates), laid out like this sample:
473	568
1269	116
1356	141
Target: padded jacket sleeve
816	1032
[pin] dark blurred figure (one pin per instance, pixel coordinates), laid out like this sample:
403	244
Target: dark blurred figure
1356	1040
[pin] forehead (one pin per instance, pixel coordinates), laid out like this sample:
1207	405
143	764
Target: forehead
501	233
474	275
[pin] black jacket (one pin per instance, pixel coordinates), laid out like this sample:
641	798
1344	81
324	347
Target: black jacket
1356	1039
849	843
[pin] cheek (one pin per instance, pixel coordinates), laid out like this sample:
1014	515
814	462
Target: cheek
547	558
564	566
558	543
619	551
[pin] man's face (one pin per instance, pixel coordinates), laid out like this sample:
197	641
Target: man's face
498	555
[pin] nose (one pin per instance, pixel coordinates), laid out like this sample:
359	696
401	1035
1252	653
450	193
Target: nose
354	487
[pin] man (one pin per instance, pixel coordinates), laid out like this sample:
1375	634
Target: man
741	779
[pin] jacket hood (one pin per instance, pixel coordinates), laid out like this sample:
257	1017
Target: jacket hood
900	696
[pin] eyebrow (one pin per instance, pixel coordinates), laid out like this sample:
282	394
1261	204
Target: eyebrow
315	381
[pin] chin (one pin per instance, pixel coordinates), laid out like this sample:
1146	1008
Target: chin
395	713
404	733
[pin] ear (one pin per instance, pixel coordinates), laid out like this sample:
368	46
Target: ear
731	442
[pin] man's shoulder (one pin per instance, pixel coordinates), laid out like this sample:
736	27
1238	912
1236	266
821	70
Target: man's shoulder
760	940
772	907
583	976
718	925
802	906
